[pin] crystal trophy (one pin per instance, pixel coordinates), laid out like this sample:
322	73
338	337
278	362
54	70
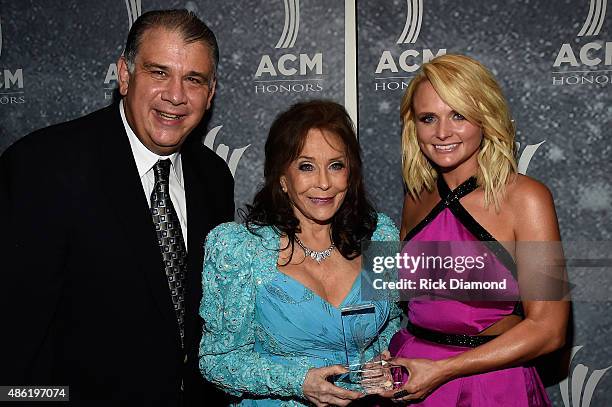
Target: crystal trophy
367	371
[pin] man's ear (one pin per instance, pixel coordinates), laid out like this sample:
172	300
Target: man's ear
213	87
124	75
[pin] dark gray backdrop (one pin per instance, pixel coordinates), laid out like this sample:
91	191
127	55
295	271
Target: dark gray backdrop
56	63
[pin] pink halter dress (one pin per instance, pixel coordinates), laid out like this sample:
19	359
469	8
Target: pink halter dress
446	326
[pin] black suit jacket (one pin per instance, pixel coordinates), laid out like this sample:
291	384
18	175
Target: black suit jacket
85	297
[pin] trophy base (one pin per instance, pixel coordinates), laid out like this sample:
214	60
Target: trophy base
371	377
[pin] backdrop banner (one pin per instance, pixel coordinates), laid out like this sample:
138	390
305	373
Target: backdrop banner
553	60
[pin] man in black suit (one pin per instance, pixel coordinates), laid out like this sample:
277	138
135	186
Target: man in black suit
104	220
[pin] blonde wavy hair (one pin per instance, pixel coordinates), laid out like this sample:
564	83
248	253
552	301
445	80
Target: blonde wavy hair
470	89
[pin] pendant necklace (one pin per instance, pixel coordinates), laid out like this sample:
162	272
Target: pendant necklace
313	254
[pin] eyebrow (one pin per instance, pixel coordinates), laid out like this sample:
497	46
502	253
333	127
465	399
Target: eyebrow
452	111
340	157
154	66
149	65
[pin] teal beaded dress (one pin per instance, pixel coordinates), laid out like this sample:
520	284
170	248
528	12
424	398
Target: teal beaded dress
263	330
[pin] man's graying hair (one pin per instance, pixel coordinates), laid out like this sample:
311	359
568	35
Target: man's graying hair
182	21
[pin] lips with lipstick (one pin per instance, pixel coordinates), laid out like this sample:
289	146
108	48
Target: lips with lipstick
321	201
445	148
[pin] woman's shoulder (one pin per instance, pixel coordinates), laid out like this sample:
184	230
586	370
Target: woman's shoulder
226	232
533	210
385	228
415	209
236	240
525	194
239	232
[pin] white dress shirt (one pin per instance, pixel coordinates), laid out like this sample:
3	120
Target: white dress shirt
145	160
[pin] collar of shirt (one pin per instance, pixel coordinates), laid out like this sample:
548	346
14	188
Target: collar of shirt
145	158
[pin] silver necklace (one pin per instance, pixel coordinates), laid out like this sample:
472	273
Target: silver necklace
313	254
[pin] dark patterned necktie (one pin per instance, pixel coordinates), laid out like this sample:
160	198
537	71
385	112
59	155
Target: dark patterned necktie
169	238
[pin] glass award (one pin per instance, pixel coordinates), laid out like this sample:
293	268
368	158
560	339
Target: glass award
367	371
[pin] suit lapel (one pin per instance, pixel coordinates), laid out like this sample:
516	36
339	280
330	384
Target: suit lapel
197	221
119	177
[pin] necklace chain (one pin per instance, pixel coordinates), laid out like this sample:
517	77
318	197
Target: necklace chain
313	254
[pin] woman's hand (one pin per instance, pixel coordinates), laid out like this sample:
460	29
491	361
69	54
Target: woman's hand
384	355
319	391
424	376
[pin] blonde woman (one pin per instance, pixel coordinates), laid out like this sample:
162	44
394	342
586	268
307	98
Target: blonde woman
460	170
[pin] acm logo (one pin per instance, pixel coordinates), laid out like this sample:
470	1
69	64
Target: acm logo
409	60
589	56
134	10
583	383
287	72
11	82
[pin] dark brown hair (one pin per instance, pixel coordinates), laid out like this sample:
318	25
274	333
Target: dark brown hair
182	21
355	220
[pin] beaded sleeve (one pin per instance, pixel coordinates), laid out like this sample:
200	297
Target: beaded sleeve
227	355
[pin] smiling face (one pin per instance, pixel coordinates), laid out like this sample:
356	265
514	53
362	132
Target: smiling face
447	138
169	90
317	180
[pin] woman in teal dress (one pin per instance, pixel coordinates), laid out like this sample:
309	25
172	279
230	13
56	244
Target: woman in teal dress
274	286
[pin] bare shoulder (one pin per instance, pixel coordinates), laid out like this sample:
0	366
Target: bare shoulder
525	193
409	204
533	209
415	209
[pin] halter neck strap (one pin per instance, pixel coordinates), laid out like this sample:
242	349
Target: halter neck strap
447	195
